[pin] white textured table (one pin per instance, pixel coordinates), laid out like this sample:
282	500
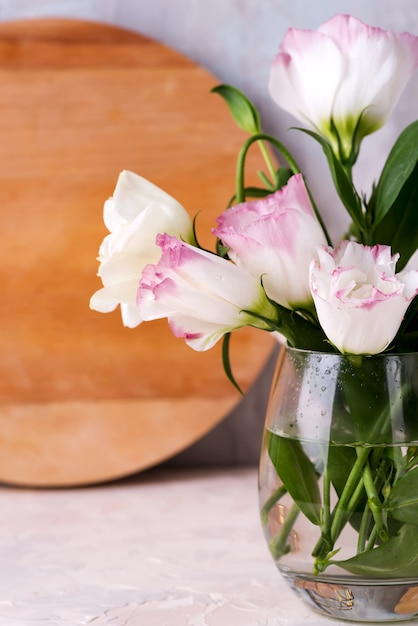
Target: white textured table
164	549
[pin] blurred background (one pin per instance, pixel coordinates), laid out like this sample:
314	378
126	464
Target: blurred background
237	40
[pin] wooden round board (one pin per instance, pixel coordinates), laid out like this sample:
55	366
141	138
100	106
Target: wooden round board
83	399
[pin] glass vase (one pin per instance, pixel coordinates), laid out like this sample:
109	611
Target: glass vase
338	482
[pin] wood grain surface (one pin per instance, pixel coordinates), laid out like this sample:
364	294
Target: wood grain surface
82	399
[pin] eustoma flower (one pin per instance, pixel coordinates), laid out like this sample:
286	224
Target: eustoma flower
134	215
275	239
344	79
359	299
202	295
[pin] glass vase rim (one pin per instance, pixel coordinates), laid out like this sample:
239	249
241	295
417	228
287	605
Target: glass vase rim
378	355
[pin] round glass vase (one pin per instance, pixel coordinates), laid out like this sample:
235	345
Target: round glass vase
338	482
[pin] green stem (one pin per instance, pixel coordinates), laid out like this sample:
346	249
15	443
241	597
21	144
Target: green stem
239	184
326	511
363	532
349	492
343	514
278	545
359	479
299	332
348	169
271	501
324	543
268	161
374	503
372	539
343	509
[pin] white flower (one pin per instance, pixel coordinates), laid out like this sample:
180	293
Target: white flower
274	239
202	295
359	299
344	79
136	213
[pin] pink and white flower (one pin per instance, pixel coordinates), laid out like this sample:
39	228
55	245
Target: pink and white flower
134	215
359	299
202	295
275	239
344	79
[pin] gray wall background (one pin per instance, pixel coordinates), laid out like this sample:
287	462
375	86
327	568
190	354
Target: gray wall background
237	40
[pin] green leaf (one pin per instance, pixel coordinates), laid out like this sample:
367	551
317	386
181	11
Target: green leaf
339	465
402	503
407	333
396	558
242	109
297	474
227	363
343	184
399	227
282	176
399	167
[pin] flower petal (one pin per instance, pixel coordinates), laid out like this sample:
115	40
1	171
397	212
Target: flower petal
136	213
344	79
359	300
202	295
274	239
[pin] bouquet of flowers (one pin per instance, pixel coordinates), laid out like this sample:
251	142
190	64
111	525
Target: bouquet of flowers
273	265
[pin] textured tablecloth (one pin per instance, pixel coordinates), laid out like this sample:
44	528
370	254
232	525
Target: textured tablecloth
177	548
